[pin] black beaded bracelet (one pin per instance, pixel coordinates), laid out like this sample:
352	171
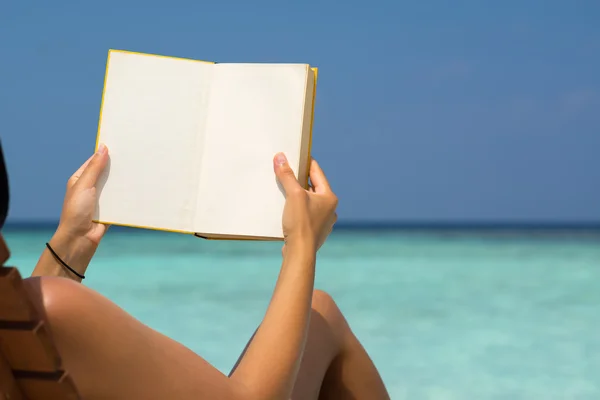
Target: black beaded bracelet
64	264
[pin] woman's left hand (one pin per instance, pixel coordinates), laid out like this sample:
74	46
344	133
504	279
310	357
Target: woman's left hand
79	207
78	236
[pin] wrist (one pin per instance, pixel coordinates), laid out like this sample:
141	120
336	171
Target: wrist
64	237
76	251
300	245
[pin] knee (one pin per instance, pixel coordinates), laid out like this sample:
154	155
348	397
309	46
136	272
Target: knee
323	303
322	300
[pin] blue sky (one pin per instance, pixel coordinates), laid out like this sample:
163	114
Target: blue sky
426	111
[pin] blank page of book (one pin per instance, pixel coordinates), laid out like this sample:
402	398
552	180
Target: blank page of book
151	122
255	111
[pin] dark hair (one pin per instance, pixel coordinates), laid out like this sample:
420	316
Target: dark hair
4	195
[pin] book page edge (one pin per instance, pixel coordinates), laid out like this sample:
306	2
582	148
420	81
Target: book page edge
312	118
304	179
209	236
158	55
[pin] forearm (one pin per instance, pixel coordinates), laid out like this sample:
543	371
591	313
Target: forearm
269	368
75	252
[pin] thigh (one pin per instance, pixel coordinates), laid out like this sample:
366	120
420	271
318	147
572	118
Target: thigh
110	354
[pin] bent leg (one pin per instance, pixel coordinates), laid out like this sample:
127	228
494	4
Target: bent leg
334	363
352	374
111	355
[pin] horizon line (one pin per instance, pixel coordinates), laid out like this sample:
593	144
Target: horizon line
391	225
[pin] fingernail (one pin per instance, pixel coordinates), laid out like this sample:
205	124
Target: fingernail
101	149
280	159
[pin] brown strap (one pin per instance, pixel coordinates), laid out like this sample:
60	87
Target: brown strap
57	385
28	347
8	386
30	366
14	303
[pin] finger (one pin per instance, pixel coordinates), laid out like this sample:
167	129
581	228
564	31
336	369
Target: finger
284	174
318	179
78	173
73	179
96	165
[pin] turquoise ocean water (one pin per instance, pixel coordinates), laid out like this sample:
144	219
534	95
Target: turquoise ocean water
444	315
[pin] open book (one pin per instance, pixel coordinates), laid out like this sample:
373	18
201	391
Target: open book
191	143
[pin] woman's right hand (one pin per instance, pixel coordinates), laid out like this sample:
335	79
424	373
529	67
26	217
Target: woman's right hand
308	215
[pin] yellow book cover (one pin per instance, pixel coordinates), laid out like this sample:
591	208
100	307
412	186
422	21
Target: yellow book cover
191	143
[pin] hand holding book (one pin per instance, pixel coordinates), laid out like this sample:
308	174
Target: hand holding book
81	200
77	236
307	214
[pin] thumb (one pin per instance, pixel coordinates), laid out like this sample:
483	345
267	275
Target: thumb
284	174
96	165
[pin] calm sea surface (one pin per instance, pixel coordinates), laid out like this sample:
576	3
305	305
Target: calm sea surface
443	315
